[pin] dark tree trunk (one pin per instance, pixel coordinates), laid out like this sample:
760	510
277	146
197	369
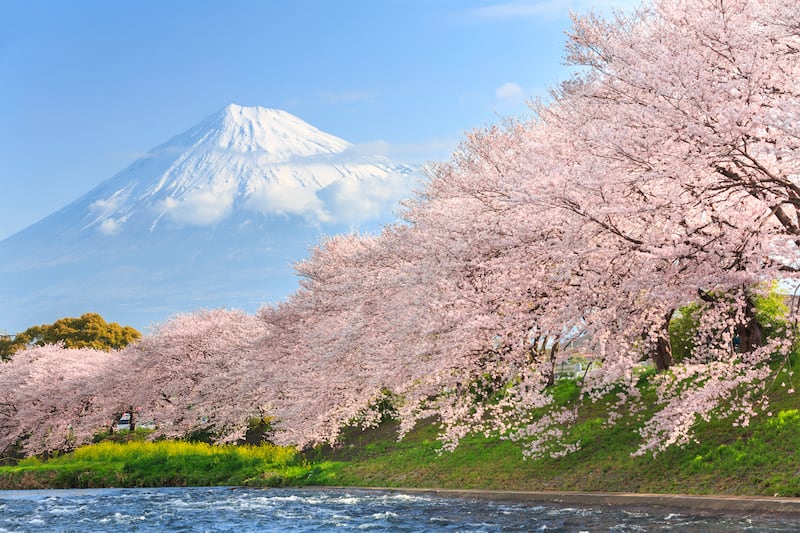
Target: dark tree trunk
534	353
551	377
662	351
749	333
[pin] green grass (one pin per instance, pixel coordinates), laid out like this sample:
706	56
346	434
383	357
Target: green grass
164	463
762	459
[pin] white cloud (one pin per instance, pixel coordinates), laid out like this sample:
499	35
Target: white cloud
408	153
110	227
345	201
510	92
347	187
104	207
286	199
102	210
200	208
354	201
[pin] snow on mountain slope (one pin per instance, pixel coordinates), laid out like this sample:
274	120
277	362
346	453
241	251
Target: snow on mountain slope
261	160
213	217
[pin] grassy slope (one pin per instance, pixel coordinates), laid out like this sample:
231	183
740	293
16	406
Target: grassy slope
763	459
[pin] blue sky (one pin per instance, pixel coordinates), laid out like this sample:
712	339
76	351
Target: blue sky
87	87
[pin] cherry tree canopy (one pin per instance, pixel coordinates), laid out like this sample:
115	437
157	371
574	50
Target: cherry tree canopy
665	172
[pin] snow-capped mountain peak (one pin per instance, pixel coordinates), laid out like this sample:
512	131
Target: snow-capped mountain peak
275	134
213	217
245	159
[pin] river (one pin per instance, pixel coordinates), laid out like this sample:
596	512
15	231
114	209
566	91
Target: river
221	509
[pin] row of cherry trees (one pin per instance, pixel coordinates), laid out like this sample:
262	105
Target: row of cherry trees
664	172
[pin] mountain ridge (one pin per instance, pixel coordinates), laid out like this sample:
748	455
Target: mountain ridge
231	201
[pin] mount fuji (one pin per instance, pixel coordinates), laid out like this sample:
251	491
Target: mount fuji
212	218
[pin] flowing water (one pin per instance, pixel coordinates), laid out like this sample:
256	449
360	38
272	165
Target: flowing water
238	509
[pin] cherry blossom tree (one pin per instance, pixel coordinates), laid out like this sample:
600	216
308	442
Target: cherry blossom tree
52	397
193	374
663	173
702	96
663	188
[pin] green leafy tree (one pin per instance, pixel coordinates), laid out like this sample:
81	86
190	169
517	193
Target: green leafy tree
770	312
7	346
87	331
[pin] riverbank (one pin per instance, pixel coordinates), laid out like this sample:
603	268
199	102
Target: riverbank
760	460
738	504
162	464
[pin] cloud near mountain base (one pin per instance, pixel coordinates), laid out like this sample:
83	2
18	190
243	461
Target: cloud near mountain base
346	201
286	199
201	208
354	201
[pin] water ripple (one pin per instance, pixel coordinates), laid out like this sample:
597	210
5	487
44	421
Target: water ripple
303	510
